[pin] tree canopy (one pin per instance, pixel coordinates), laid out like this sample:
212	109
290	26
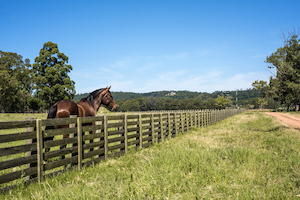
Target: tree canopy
50	72
286	83
15	79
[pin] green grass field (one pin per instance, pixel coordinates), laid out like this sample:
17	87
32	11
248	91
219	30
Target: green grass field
247	156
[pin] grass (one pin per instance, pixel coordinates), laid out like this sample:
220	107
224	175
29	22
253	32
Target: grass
247	156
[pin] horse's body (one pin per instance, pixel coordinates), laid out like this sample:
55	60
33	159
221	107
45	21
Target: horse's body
86	107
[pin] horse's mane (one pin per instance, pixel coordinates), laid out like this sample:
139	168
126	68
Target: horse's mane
93	95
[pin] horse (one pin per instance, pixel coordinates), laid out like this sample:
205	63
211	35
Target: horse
86	107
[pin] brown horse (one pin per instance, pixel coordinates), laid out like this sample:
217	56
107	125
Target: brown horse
86	107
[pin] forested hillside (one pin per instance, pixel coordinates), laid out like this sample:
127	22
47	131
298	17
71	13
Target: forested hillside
242	95
183	100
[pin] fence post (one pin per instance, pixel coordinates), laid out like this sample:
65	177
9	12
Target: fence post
169	125
97	139
199	121
202	119
40	161
207	118
30	141
72	134
79	137
105	138
187	118
176	123
195	120
152	128
141	130
126	133
182	125
161	128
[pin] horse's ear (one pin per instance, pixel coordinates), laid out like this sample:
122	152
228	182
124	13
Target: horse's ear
109	87
106	89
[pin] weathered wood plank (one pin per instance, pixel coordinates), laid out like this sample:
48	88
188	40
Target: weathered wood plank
133	129
146	115
117	139
60	152
115	117
92	128
136	116
17	149
147	138
116	124
58	163
119	146
149	126
92	145
17	124
132	123
147	133
133	135
58	121
17	136
18	174
59	131
134	142
92	136
17	162
49	144
116	132
93	153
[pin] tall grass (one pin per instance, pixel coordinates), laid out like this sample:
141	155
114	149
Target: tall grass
247	156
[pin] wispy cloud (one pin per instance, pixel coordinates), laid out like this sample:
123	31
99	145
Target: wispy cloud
121	63
181	71
179	80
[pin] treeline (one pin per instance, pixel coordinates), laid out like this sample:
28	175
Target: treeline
162	103
185	100
242	95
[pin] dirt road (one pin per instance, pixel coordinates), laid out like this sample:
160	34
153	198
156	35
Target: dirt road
288	119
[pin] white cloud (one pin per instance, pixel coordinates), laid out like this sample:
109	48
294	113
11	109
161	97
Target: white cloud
179	80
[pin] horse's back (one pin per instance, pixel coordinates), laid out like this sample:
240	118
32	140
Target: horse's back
65	108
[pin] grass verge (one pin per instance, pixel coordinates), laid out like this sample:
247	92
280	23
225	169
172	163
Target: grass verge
250	155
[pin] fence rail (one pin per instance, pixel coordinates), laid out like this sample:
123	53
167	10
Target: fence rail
91	139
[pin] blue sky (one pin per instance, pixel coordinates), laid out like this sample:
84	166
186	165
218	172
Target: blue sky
153	45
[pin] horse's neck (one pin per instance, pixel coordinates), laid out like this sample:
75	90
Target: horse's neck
97	103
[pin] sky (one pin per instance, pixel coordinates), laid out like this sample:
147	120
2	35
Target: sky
153	45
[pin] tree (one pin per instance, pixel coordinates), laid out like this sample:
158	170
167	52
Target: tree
286	60
52	82
262	86
261	102
222	102
15	79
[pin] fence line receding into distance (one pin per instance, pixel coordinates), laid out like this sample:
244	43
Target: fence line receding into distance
22	152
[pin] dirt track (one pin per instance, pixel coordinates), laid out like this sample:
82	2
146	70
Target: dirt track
288	119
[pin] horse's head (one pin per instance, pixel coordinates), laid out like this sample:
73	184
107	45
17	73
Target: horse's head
108	100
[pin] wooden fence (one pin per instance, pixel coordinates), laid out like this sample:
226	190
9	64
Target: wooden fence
22	152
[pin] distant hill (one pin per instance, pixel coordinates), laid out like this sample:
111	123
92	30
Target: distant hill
242	95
